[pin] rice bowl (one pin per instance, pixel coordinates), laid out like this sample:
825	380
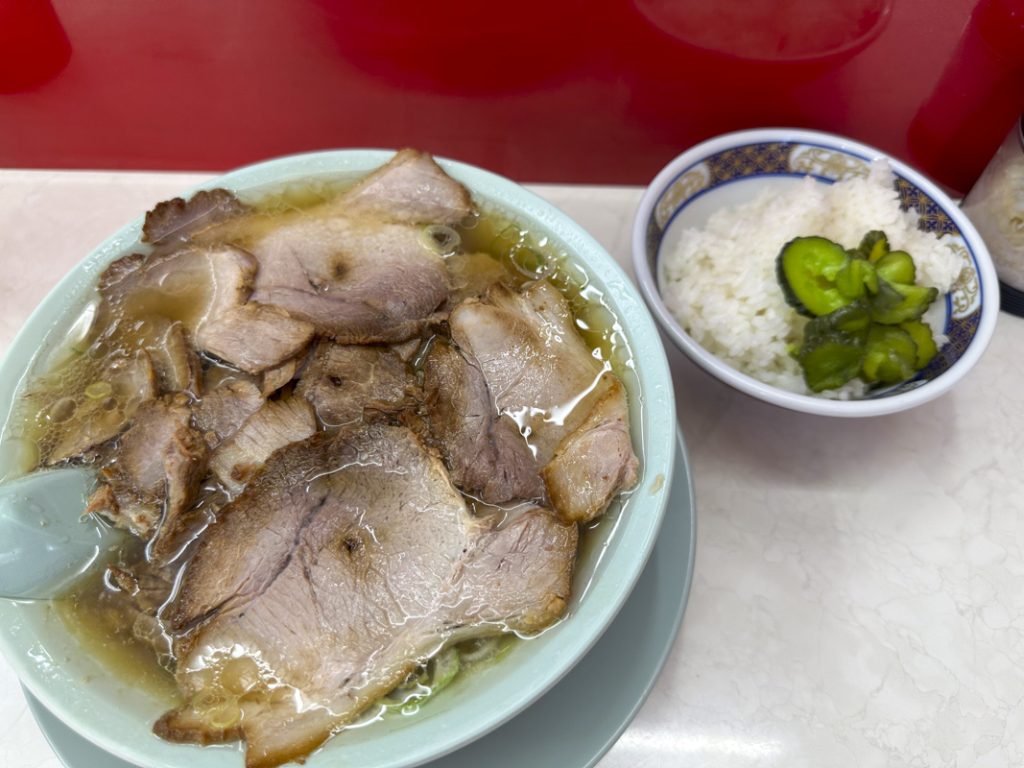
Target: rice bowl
719	281
733	170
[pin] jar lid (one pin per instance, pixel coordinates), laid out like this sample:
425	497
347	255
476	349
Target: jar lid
1011	300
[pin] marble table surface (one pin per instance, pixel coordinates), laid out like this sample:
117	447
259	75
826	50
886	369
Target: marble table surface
858	598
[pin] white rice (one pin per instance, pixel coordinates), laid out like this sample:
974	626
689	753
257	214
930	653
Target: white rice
720	284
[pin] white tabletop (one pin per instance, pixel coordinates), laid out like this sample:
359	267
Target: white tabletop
859	590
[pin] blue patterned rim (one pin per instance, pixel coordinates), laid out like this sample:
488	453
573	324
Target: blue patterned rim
828	164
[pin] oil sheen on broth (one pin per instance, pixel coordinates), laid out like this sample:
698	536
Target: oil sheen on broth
71	382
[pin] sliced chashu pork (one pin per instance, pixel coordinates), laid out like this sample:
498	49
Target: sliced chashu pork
345	563
191	284
595	461
360	267
342	381
243	428
206	289
254	337
176	363
357	280
539	370
484	450
410	188
225	407
274	425
471	275
178	220
272	379
132	381
156	472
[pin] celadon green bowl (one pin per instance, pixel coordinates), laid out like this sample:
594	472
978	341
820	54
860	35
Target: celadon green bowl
107	709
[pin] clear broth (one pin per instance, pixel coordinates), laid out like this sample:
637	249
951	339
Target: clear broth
103	619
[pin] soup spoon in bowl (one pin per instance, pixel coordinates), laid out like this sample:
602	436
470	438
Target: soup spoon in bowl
48	541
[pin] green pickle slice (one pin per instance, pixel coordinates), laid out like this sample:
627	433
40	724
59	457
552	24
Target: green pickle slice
807	268
923	340
865	311
833	347
830	361
853	319
857	279
873	246
890	355
897	303
897	267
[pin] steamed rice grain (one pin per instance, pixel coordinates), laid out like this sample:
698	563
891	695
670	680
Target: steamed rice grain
720	282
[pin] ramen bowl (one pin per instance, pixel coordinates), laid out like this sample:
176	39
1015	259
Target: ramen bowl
107	707
736	168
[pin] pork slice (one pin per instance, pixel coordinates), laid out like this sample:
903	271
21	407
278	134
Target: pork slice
534	362
176	364
129	514
348	561
96	420
191	284
516	576
539	370
156	472
140	591
342	381
140	457
225	408
283	373
411	188
357	281
178	219
471	275
276	424
253	337
484	450
593	463
407	350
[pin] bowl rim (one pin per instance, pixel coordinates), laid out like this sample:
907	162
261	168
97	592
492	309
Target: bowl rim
987	281
655	436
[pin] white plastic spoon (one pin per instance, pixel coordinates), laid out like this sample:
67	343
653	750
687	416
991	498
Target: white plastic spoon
46	541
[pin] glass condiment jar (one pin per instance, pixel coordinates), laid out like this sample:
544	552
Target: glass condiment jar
995	205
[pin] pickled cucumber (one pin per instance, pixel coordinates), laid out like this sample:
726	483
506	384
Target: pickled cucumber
807	268
865	311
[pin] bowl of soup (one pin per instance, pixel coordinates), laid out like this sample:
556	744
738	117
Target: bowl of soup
361	524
